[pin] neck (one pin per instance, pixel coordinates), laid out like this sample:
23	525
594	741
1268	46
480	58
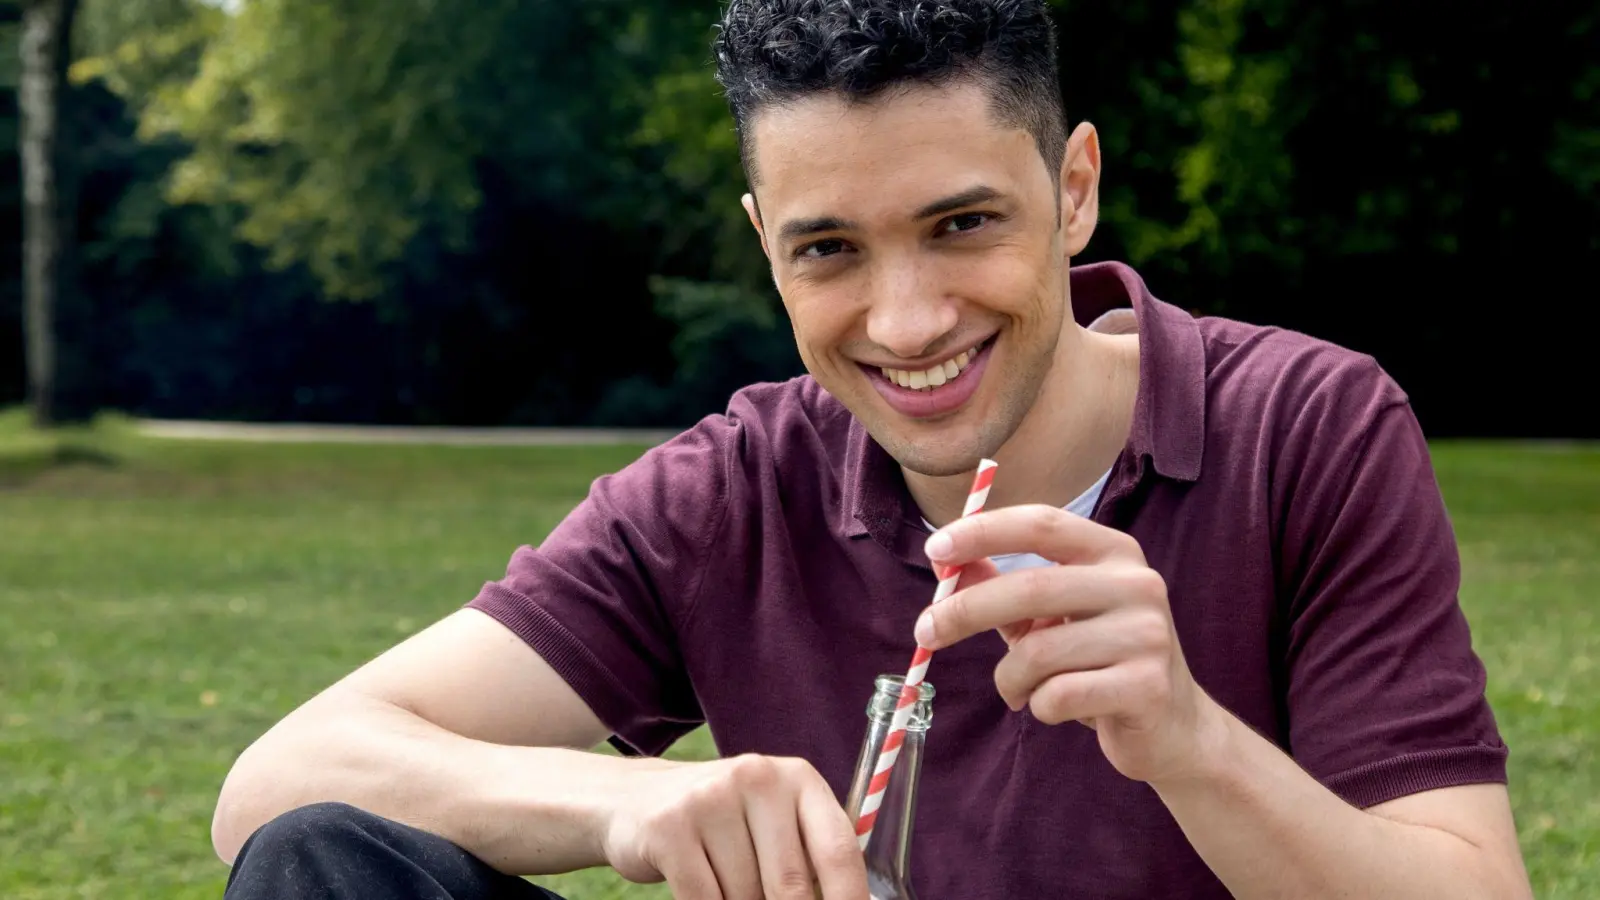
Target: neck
1071	436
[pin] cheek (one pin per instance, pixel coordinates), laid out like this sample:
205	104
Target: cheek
1014	280
821	319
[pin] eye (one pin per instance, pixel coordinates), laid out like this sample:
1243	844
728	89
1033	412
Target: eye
965	222
819	249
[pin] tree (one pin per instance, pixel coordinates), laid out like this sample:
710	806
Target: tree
47	186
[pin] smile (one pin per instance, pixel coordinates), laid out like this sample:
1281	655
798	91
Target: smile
937	390
935	377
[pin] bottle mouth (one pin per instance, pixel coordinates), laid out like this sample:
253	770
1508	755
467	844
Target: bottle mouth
886	696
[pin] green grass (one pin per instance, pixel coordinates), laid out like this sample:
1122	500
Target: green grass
162	603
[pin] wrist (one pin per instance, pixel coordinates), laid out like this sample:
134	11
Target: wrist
1213	756
549	809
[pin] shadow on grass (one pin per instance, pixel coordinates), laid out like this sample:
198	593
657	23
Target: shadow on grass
21	466
27	453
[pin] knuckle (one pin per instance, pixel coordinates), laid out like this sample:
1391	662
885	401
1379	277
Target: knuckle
793	773
1150	631
1152	582
791	883
755	773
1121	544
800	769
1035	652
837	853
1038	584
1050	523
1148	686
1142	582
708	797
1051	704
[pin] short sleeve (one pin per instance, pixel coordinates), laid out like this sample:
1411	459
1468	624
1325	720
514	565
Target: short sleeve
601	598
1385	692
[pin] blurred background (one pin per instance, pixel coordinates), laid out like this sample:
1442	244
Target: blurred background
525	213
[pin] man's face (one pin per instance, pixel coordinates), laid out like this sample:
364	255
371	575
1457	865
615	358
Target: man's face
917	247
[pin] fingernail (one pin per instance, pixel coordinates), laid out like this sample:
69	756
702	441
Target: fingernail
924	631
939	546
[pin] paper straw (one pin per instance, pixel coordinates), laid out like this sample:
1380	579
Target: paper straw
912	690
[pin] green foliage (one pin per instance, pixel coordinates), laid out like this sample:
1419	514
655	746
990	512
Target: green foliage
343	130
336	128
1254	150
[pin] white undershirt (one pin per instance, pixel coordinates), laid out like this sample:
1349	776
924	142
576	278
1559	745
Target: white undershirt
1082	505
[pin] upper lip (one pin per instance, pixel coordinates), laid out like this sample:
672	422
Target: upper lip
932	361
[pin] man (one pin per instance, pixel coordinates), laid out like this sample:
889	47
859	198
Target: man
1217	546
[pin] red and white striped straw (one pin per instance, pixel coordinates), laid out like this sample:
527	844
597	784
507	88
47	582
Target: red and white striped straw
912	690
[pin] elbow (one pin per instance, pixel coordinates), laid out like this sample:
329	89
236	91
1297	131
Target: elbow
1497	876
249	797
1514	886
230	820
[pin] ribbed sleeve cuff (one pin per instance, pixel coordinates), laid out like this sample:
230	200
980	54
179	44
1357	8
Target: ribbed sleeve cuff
1413	773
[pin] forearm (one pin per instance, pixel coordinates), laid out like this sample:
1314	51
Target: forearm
526	811
1269	830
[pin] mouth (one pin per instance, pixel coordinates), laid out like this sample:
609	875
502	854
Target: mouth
937	390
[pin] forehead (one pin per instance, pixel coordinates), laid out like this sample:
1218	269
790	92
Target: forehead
826	155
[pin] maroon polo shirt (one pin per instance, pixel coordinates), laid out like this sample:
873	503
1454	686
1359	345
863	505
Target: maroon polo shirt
759	570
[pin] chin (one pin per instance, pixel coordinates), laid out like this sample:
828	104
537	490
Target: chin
938	455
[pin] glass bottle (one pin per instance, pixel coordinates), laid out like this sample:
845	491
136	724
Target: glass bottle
888	851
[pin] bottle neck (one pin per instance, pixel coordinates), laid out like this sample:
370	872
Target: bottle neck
888	852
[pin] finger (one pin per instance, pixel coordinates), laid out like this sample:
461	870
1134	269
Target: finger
972	574
1120	691
1048	531
830	841
1046	592
1016	631
780	852
689	875
732	854
975	573
1094	643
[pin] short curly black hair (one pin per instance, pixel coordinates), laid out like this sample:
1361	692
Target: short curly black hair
772	51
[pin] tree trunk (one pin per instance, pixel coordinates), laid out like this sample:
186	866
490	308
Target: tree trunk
45	51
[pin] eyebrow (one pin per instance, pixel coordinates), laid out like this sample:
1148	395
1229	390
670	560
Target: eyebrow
794	229
979	194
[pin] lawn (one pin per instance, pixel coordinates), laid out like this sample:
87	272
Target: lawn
161	603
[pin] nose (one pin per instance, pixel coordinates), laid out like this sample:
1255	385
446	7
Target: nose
907	315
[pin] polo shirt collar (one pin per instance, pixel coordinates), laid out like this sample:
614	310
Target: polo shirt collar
1169	412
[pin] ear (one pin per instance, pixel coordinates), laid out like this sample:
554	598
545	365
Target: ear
1080	188
748	201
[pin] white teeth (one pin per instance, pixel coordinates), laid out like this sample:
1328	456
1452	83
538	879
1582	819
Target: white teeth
933	377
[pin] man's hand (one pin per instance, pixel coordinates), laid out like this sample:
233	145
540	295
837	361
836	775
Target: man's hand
1091	639
745	828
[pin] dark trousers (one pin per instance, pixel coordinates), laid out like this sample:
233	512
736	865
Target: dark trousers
332	851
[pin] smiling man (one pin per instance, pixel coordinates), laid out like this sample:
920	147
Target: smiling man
1207	642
